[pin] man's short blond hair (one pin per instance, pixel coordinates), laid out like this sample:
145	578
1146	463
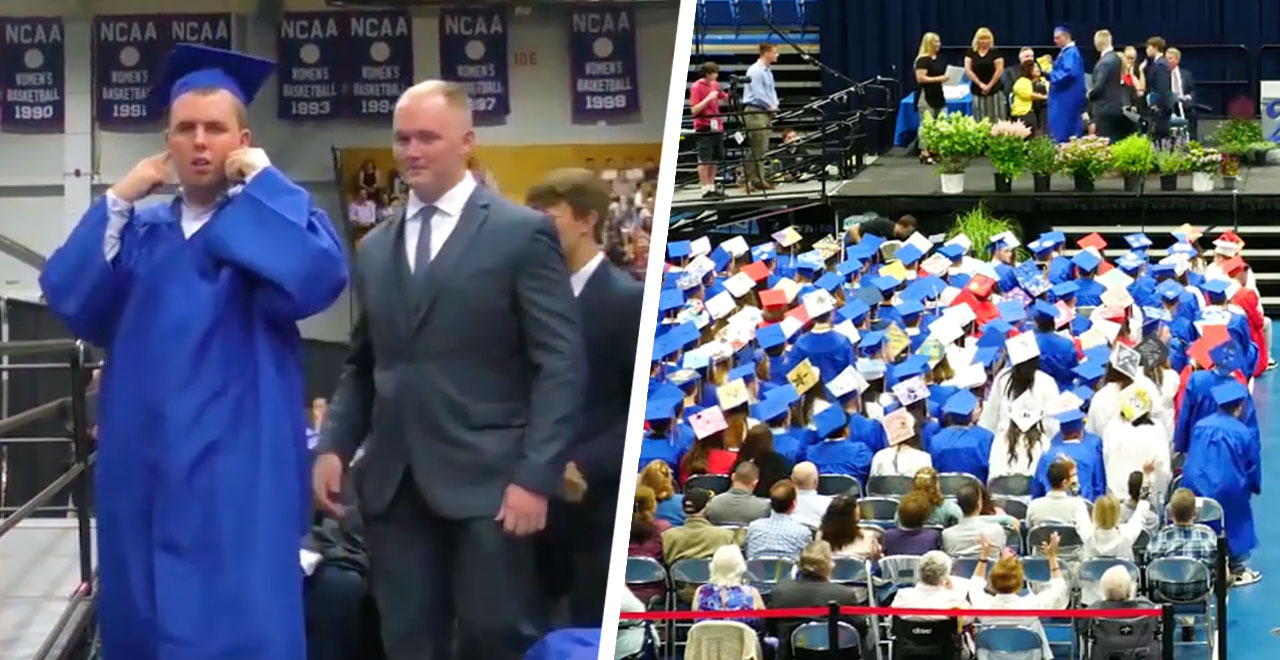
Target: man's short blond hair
1102	38
454	95
1174	53
816	559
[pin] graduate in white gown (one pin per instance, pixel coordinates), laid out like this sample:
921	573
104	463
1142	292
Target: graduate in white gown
1132	440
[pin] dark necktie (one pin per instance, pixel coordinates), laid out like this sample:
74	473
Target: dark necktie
422	252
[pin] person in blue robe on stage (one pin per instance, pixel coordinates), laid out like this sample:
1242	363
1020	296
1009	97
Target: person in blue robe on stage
962	446
1066	88
202	487
1057	353
1197	398
834	452
1082	448
1224	462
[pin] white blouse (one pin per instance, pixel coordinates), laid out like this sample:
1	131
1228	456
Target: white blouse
902	460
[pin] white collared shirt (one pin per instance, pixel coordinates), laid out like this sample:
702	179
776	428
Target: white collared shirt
448	211
579	278
192	219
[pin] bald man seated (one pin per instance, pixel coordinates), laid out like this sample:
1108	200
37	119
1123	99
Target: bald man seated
809	504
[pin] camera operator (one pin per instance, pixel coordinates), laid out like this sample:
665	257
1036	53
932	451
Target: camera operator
704	105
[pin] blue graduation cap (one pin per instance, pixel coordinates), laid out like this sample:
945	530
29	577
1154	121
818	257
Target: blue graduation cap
1151	317
1065	290
884	283
764	251
1086	261
1040	247
1069	416
1215	288
872	242
830	420
848	267
660	408
935	284
770	336
1044	310
912	366
909	308
810	261
769	409
664	346
1084	393
871	341
1225	356
829	281
679	249
671	279
908	254
853	311
862	251
1131	261
868	294
191	67
1065	28
786	393
1183	248
1011	311
670	299
1162	271
961	404
1090	371
1054	238
986	355
953	251
1228	393
1100	354
686	333
994	333
720	257
1138	241
746	372
1169	290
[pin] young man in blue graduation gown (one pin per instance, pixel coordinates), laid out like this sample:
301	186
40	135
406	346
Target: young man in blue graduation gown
1066	88
1224	461
962	446
1082	448
201	491
834	452
1197	396
1057	353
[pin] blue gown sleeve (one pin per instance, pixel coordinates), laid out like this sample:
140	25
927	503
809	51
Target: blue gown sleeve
272	230
80	286
1067	68
1253	460
1099	472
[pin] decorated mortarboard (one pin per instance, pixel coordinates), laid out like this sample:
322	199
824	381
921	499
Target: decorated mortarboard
935	265
736	246
1086	261
1155	315
1232	266
1138	241
720	305
870	369
1026	411
1225	356
700	246
961	314
733	394
829	281
678	249
192	67
707	422
1022	347
1011	311
932	351
756	270
817	303
803	376
1094	240
739	284
786	237
1003	240
1116	299
961	404
1106	327
1030	278
899	426
670	299
683	377
1040	247
660	408
910	391
1131	261
980	285
764	251
1126	361
773	299
829	420
1065	289
810	261
1228	393
960	239
1152	351
848	381
1055	237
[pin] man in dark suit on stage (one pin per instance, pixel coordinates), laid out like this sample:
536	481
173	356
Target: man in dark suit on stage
465	375
1183	86
574	552
1106	93
1159	87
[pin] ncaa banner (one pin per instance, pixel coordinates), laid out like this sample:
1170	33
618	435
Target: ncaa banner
602	54
129	51
309	65
473	53
31	75
381	59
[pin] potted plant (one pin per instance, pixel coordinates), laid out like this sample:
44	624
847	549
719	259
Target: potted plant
956	139
1258	151
979	225
1042	160
1230	169
1133	157
1205	162
1171	163
1007	150
1085	158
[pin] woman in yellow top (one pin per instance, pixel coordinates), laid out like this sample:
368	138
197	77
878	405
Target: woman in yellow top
1030	92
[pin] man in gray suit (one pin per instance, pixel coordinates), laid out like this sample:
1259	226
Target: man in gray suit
465	374
1106	93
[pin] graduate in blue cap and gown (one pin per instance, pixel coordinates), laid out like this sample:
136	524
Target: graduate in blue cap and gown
1066	88
1224	461
775	412
202	479
659	442
961	446
1237	324
828	351
1197	396
1057	353
1081	447
1088	292
835	453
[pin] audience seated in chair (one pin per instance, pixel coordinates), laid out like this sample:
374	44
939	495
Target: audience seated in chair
933	589
1057	505
1114	638
942	512
965	538
810	506
1104	536
1006	581
779	535
697	538
910	537
727	588
1185	537
739	505
840	529
811	588
657	476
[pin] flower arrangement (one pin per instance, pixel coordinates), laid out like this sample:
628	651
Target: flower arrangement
956	138
1007	147
1203	159
1042	156
1085	157
1172	161
1133	156
1230	165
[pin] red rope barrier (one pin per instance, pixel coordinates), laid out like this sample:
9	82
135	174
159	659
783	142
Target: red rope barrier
794	612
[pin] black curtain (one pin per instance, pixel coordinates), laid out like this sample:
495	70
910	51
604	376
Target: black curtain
865	38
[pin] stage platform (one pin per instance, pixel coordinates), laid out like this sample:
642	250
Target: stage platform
39	574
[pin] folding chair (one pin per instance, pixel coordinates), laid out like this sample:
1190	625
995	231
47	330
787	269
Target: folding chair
724	640
838	484
892	485
1090	573
812	641
1069	542
648	572
952	482
1009	641
765	572
1012	506
1010	485
925	640
686	576
1208	513
1188	585
900	569
716	483
880	511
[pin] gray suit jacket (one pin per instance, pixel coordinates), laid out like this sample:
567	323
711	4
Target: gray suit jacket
1107	94
468	372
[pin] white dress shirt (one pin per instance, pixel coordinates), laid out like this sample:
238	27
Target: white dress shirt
448	211
810	506
579	278
364	214
193	218
1176	82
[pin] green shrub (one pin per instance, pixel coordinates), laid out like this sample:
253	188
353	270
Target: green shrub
979	225
1234	135
1133	156
956	138
1042	155
1172	161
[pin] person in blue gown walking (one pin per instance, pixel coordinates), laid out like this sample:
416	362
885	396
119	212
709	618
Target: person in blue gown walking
1224	462
202	475
1082	448
1066	88
962	446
